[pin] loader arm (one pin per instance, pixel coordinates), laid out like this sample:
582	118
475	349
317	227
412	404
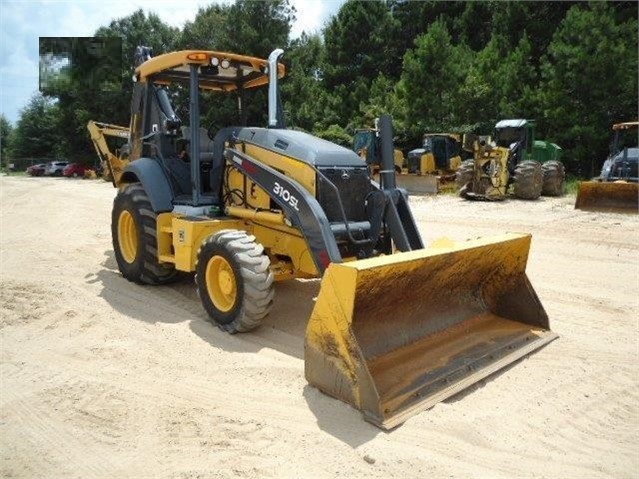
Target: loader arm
99	132
397	214
300	207
390	212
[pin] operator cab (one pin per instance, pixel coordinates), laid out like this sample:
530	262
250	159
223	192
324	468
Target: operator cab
188	78
517	136
513	133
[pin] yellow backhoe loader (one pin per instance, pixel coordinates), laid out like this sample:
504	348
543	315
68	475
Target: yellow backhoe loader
396	327
616	188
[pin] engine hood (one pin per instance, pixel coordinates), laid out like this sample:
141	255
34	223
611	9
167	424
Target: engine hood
301	146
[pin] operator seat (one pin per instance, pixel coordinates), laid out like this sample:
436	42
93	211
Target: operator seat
206	144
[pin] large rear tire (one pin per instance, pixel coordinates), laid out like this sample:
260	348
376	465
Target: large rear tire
528	180
464	174
234	280
554	175
133	229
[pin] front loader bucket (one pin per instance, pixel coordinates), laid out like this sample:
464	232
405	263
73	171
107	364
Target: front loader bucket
396	334
616	197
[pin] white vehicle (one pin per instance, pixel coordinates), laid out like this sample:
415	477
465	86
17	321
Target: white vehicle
55	168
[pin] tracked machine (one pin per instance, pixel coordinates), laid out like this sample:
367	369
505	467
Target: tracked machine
396	327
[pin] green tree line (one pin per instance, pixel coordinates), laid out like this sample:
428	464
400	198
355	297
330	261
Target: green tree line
433	65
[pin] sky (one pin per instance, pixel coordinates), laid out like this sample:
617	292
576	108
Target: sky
22	22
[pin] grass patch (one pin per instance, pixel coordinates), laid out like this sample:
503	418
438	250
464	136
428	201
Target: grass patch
8	172
572	185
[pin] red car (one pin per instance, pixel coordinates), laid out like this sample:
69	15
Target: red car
74	170
36	170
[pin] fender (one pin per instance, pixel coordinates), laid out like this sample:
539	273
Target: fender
152	177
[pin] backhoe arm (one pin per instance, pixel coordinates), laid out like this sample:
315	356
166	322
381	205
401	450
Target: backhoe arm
112	166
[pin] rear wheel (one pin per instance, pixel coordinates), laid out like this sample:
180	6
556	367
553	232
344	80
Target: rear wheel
554	176
133	228
464	174
528	180
234	280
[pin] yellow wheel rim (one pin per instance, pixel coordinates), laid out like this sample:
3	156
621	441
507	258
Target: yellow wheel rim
220	283
127	237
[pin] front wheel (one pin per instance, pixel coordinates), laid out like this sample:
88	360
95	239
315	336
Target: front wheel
554	178
133	228
234	280
528	180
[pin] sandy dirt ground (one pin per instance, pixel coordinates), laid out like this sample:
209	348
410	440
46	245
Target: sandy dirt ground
102	378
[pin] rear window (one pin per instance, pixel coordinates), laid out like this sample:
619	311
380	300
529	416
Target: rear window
633	155
625	165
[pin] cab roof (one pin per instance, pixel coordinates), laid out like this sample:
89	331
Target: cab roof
218	70
626	125
454	136
518	123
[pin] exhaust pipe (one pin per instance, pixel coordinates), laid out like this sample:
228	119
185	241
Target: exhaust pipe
273	103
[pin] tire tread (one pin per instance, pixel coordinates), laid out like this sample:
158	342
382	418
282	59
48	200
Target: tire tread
256	276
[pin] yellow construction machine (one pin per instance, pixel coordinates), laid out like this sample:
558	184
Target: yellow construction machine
428	169
440	154
396	327
616	188
366	143
486	176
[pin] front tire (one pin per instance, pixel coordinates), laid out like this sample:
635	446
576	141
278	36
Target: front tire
234	280
528	180
134	234
554	175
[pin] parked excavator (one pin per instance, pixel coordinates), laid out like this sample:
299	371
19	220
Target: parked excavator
513	163
616	188
396	327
